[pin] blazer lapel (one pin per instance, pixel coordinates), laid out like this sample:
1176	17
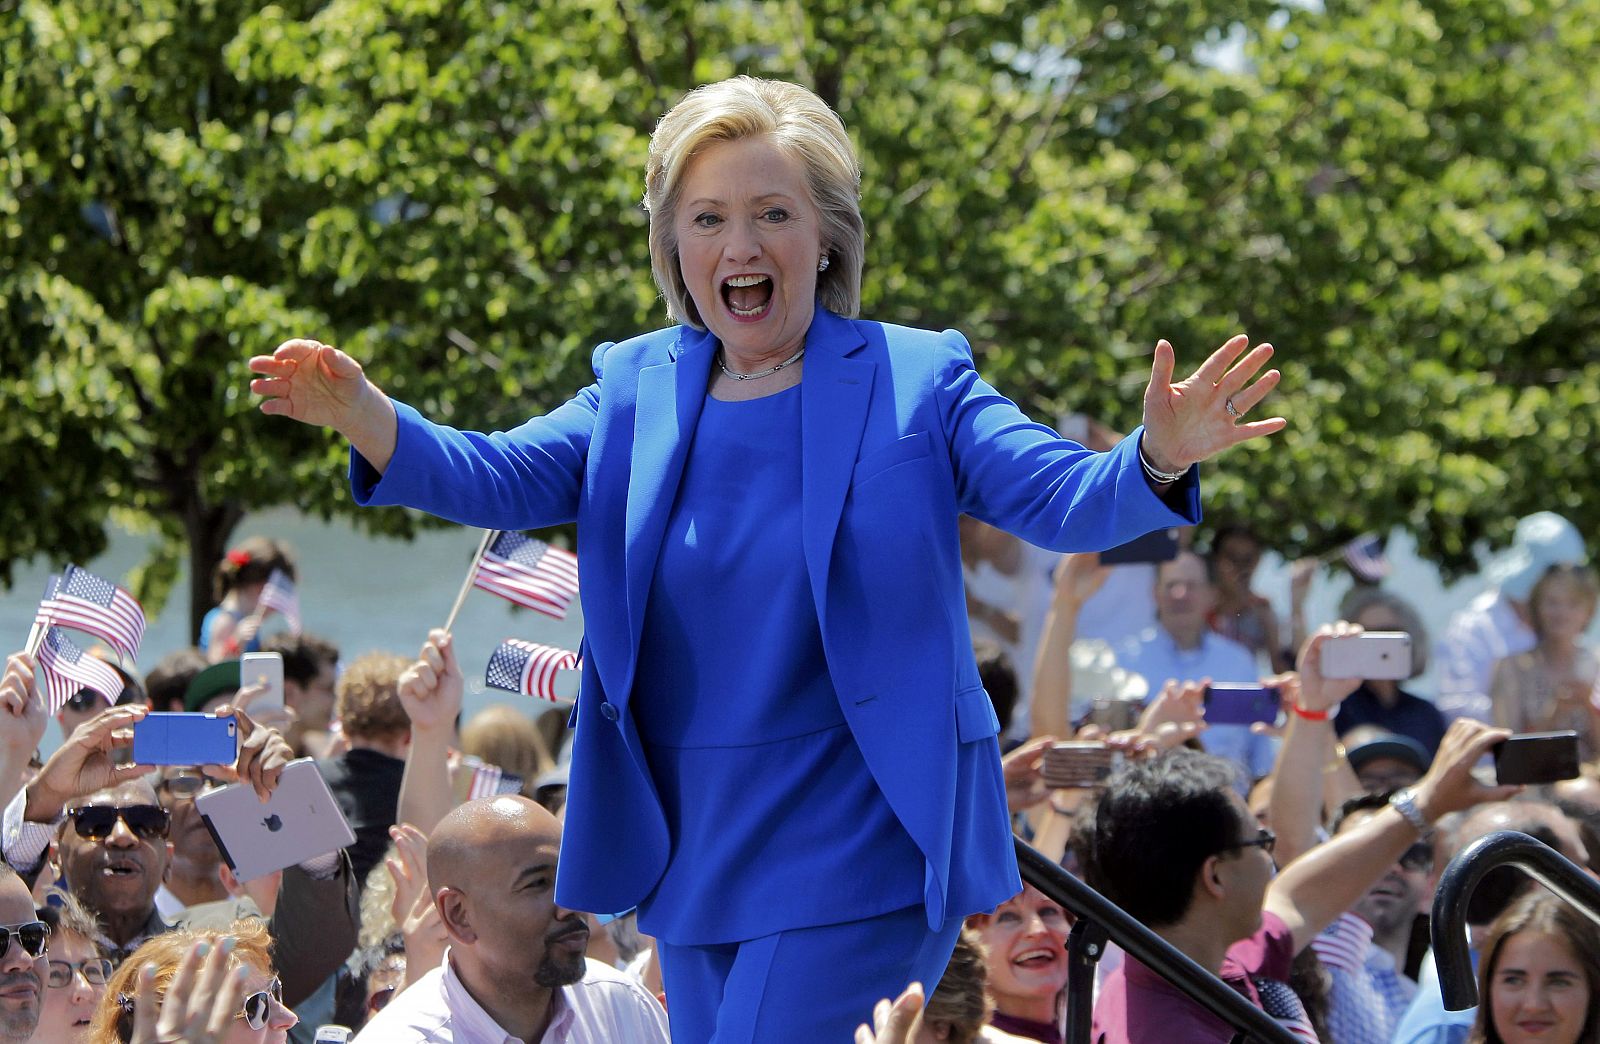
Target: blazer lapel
667	409
835	395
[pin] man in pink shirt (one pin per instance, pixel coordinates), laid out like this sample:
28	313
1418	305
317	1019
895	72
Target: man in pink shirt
1175	846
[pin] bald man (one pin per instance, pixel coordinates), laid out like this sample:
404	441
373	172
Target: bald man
515	972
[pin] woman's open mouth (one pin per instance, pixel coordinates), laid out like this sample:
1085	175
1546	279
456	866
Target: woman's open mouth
748	297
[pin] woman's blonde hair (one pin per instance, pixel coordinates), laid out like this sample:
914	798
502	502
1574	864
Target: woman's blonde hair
803	126
503	735
113	1019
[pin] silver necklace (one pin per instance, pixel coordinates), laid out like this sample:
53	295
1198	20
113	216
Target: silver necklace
723	366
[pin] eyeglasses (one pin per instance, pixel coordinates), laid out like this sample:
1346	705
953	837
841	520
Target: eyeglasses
1418	858
96	972
188	785
96	822
380	999
1263	840
31	936
258	1006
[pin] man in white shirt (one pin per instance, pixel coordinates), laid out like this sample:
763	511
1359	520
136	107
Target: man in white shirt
1183	647
515	972
1497	624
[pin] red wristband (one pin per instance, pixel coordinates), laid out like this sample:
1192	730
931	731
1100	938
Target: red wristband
1310	715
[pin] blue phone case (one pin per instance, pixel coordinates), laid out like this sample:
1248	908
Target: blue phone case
1241	704
185	739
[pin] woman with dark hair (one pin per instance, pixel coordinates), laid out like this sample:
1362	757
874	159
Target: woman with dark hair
1539	976
236	584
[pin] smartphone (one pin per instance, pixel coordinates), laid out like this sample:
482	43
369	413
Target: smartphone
1375	654
1537	757
263	668
1160	546
1077	763
185	739
1232	704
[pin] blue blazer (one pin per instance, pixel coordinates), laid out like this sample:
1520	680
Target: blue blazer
899	436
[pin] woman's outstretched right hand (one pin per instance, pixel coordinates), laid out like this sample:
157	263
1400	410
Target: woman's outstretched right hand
318	384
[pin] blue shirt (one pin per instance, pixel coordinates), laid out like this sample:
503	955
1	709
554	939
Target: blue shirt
1428	1021
1411	716
775	820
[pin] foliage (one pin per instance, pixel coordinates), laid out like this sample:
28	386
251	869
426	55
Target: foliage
1399	194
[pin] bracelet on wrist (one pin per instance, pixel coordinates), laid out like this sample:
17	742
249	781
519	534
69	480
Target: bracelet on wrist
1310	715
1155	474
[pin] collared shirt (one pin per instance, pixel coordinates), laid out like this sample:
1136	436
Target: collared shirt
605	1006
1138	1005
1428	1021
1156	657
1488	629
1369	994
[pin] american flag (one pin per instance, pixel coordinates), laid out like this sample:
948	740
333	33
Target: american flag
67	669
492	781
528	668
277	594
1364	555
84	602
529	572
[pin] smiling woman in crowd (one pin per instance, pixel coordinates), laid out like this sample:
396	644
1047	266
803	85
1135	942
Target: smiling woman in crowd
1539	975
778	682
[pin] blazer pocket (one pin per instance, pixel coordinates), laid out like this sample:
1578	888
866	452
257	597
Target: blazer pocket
975	716
909	447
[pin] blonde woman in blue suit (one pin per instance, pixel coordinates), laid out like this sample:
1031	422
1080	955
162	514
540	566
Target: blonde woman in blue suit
783	756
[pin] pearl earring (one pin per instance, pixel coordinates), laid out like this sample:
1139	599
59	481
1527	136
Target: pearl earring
822	264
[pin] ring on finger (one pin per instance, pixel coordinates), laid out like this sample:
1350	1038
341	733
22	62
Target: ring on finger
1229	406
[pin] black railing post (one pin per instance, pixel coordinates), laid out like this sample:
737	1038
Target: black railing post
1145	946
1086	944
1502	848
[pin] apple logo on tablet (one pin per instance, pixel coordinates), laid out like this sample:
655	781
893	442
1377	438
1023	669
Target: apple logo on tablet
273	823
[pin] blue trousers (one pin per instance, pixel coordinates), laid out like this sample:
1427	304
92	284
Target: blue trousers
806	985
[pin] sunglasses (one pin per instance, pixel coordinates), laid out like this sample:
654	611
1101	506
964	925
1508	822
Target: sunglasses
30	936
258	1006
255	1011
96	822
96	972
1264	840
85	700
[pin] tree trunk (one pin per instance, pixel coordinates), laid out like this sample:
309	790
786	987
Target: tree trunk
208	529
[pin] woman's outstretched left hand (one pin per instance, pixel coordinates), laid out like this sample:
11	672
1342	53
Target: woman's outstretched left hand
1189	421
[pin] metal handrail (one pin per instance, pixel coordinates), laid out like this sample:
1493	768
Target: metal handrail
1141	944
1502	848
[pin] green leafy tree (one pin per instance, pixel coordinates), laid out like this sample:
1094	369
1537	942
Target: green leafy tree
1400	195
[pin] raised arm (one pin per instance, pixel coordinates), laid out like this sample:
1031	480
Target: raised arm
1077	577
430	691
1325	882
1310	701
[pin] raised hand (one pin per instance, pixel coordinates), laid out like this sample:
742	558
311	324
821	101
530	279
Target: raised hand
200	1003
893	1023
85	763
1190	421
22	714
311	382
431	688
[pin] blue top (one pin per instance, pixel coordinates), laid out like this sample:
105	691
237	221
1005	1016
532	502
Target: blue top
1410	716
209	621
775	820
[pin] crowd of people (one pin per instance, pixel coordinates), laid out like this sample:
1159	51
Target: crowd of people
781	793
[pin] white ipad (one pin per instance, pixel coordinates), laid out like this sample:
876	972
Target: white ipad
300	822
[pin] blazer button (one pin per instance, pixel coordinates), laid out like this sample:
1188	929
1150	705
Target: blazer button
608	710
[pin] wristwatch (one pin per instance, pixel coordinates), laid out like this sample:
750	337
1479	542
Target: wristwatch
1404	801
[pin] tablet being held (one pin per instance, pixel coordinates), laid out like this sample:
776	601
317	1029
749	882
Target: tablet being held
301	821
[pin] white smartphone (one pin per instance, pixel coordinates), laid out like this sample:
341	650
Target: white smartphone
1375	654
263	668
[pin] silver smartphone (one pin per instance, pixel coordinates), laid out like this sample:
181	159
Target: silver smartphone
1375	654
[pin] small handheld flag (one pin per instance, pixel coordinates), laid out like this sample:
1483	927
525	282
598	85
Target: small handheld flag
528	668
67	669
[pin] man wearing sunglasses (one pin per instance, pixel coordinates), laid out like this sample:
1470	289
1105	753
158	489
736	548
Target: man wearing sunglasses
22	960
1175	846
